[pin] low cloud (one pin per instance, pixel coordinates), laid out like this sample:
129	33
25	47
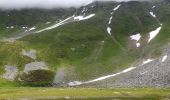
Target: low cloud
19	4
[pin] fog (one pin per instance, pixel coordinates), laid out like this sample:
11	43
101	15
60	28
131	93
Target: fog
19	4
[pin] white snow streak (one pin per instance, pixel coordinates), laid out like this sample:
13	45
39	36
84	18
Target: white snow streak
164	58
152	14
33	28
147	61
110	20
76	83
54	26
109	30
154	33
80	18
153	7
117	7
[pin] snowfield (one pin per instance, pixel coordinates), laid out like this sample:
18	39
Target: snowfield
154	33
136	37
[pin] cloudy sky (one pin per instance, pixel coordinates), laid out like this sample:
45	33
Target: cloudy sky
10	4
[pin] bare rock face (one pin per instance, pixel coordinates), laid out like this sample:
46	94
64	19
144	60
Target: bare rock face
31	53
11	72
35	66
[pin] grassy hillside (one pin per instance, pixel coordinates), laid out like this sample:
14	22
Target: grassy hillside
84	48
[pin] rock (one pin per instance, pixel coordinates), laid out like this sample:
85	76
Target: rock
35	66
11	72
31	53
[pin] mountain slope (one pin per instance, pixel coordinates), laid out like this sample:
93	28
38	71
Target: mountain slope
84	43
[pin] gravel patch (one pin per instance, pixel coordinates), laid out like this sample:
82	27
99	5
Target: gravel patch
11	72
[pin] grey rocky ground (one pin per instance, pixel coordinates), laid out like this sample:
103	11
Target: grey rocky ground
152	74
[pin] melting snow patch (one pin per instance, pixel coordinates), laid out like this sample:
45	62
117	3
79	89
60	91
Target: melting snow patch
54	26
75	83
11	72
109	30
33	28
147	61
153	7
24	27
164	58
152	14
136	37
80	18
154	33
117	7
110	20
12	27
138	44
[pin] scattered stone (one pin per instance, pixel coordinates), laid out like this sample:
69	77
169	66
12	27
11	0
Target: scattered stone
31	53
11	72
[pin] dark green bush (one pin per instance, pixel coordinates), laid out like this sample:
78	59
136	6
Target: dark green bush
36	78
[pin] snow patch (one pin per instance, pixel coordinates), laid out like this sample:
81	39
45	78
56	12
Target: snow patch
109	30
33	28
80	18
55	25
154	33
164	58
117	7
110	20
137	44
152	14
136	37
47	23
24	27
76	83
12	27
147	61
153	7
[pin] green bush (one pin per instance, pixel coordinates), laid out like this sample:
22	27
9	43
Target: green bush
36	78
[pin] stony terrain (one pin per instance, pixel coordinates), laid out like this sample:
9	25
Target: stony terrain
152	74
